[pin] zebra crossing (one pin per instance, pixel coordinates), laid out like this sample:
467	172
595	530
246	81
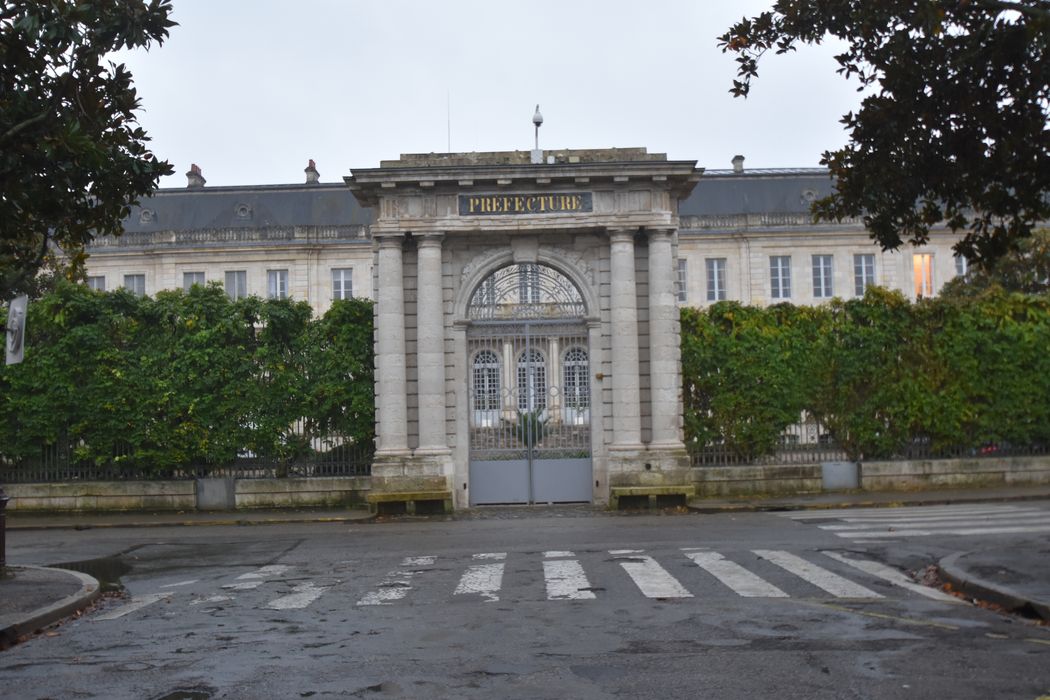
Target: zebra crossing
698	573
868	524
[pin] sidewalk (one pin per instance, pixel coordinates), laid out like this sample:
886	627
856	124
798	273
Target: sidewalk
31	598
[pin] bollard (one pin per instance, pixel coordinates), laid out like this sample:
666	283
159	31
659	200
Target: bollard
3	531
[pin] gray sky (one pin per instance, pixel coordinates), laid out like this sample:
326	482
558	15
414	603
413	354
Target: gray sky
252	89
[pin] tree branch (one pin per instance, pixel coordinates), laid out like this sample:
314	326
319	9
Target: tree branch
1040	11
25	123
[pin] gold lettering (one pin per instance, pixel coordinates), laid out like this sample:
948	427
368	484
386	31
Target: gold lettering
530	204
563	203
576	202
486	204
519	204
474	202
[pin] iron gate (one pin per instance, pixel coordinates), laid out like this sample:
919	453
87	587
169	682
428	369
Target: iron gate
529	391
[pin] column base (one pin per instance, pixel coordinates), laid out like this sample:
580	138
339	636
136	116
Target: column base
402	481
652	465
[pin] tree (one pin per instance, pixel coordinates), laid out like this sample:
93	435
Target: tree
1025	270
954	125
72	158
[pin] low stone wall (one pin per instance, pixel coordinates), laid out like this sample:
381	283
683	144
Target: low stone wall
954	473
721	482
100	496
306	492
786	480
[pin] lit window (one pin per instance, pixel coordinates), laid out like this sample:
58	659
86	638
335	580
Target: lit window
342	283
780	276
716	279
277	284
136	284
822	277
922	266
97	282
191	278
863	273
237	284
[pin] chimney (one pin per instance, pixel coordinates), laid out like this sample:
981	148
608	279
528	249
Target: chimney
312	176
738	164
194	178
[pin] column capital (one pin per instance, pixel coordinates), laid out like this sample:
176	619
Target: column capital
425	239
660	232
621	234
389	240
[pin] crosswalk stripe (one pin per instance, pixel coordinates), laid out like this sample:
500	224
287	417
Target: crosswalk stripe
739	579
484	580
566	580
818	576
1034	529
301	596
137	603
895	577
397	583
180	583
989	518
254	579
652	580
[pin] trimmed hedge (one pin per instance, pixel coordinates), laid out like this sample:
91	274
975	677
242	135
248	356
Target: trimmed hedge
879	372
186	378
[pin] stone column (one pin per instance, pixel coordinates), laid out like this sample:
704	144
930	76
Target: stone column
663	342
430	346
624	315
391	403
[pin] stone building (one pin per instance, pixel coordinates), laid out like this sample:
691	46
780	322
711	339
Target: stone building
527	340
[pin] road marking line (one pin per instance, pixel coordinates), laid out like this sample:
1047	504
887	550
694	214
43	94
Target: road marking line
397	583
895	577
254	579
881	616
948	521
244	586
896	512
566	580
740	580
499	556
958	531
137	603
819	577
302	595
653	580
483	579
558	554
180	583
1035	640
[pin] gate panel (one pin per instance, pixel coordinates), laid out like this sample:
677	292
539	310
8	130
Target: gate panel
530	413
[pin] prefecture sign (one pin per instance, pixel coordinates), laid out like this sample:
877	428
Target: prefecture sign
543	203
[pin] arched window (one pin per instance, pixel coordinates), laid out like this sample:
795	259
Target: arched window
532	381
575	379
486	381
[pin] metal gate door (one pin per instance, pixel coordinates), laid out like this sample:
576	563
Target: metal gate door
530	412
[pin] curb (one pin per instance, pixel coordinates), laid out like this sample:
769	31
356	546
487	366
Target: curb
40	618
13	524
976	587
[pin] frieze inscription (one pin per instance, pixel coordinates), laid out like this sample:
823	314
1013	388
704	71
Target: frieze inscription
542	203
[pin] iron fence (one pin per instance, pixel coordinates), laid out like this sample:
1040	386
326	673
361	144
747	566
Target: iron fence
57	462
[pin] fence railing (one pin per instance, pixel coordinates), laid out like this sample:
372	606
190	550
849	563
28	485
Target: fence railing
57	463
824	450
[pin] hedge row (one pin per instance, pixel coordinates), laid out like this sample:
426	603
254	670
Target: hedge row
879	373
186	378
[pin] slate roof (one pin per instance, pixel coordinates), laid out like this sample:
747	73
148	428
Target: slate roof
719	193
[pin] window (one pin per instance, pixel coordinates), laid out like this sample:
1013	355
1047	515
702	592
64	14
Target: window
716	279
863	273
191	278
532	381
136	284
962	265
342	283
277	284
236	284
576	384
486	381
97	282
682	280
822	277
780	276
528	284
922	267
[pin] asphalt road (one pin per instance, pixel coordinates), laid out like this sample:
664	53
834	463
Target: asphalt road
559	605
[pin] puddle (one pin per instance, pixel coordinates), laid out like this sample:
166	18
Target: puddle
107	570
187	694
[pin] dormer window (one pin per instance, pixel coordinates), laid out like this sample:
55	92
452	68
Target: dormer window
243	211
147	216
